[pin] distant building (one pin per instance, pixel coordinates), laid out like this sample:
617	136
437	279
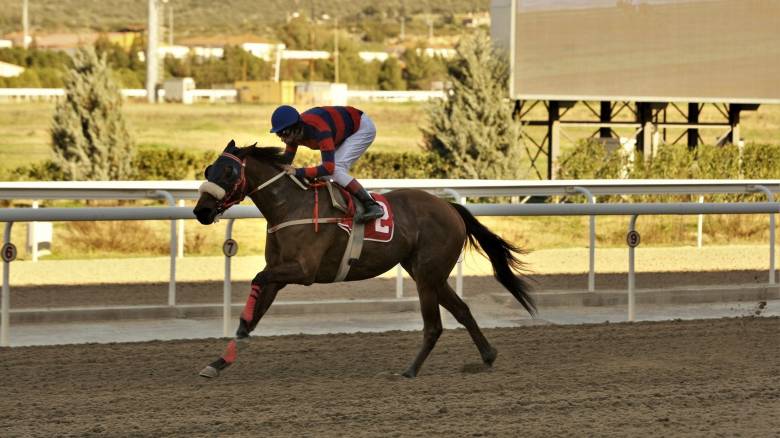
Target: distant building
264	51
374	56
10	70
178	52
6	44
443	52
477	20
305	54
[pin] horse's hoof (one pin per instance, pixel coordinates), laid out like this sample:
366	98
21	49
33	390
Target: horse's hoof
409	374
490	356
209	372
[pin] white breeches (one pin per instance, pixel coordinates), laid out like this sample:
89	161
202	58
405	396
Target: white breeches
352	148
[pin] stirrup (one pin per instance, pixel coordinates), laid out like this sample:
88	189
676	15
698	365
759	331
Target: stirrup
368	216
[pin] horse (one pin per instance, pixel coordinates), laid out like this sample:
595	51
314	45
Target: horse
429	236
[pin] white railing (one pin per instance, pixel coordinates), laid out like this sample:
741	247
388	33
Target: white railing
11	215
465	187
394	96
226	95
460	190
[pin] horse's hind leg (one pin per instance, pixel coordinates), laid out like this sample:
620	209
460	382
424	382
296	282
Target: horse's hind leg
260	299
429	306
452	302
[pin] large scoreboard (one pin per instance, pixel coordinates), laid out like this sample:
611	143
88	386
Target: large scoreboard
641	50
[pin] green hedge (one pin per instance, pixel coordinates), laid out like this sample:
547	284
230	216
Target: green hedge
152	162
149	163
593	160
398	165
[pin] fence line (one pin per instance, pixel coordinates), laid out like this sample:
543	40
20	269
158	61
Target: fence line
224	95
11	215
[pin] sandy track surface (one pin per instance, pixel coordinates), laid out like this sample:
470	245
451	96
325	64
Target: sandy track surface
211	291
703	377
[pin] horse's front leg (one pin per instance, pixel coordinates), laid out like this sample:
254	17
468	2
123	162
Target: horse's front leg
264	289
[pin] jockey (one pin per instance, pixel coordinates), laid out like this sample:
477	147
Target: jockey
341	133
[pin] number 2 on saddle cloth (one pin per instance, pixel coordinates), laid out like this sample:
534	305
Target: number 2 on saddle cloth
378	230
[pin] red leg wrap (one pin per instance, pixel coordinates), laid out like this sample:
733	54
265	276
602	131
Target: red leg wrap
231	352
249	308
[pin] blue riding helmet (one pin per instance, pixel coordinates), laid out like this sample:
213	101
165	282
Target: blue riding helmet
284	117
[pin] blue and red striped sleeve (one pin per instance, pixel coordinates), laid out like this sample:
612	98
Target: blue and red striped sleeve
289	153
322	140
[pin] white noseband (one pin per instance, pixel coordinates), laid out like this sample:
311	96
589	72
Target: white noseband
212	189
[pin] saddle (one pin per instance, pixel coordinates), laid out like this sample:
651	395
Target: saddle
379	230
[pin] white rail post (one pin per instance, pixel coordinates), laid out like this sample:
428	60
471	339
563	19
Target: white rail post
33	237
5	312
173	247
227	288
771	197
591	237
700	225
631	274
399	282
180	234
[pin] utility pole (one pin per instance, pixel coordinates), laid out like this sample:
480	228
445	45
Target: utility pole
25	25
430	29
336	47
170	25
151	53
403	25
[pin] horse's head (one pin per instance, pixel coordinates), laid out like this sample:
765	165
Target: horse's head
233	176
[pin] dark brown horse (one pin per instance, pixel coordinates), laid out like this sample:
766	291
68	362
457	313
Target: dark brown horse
429	236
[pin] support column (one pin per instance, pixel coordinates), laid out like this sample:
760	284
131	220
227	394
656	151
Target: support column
605	116
693	118
553	138
734	113
644	142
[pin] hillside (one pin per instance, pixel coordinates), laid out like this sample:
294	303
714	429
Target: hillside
198	17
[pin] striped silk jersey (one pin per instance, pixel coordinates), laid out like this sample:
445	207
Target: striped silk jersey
324	128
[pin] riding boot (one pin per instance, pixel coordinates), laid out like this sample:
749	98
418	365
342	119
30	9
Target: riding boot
372	210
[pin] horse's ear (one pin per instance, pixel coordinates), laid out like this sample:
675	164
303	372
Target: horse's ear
253	145
231	145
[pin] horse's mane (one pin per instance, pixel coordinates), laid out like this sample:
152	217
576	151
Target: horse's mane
268	154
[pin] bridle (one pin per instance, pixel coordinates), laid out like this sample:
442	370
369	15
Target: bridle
239	188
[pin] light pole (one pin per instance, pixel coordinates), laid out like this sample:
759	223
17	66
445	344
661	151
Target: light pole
336	47
25	25
151	53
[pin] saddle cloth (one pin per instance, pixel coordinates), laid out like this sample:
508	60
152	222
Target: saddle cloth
378	230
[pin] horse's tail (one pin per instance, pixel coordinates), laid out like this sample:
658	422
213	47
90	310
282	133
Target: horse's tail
502	256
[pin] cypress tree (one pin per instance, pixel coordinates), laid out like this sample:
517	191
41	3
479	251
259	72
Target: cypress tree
89	135
472	130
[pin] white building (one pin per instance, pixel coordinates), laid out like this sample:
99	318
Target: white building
208	52
305	54
374	56
444	52
178	52
264	51
10	70
6	44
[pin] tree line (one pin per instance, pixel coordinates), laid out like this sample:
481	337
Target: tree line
413	71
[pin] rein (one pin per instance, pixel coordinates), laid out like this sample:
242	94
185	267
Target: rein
240	188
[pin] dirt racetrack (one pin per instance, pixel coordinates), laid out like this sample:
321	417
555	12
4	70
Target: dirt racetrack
703	377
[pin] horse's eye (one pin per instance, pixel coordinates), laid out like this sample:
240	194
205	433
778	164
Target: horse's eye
206	172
